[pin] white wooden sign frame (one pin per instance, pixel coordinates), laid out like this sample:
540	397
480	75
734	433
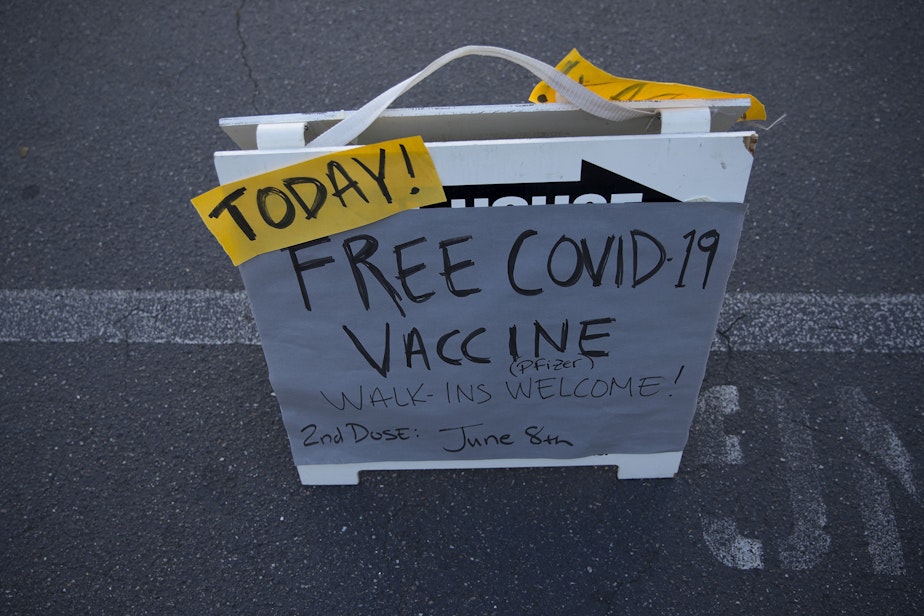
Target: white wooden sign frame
687	154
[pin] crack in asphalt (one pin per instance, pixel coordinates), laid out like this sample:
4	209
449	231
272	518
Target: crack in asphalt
240	36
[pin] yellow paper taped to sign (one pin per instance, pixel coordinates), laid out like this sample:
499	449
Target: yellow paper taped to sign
320	197
621	89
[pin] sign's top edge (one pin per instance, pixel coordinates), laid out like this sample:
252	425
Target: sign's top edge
480	122
725	105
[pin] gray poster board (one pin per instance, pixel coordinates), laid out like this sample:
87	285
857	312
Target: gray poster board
557	331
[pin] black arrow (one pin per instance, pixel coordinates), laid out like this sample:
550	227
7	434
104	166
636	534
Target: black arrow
594	180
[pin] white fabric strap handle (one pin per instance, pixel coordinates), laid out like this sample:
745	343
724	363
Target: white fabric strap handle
350	127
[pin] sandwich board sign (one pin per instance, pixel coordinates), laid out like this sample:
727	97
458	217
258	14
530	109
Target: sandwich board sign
544	300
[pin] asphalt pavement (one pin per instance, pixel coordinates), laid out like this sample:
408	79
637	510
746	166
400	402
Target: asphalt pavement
145	467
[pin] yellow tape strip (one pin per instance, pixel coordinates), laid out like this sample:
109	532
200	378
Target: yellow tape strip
320	197
621	89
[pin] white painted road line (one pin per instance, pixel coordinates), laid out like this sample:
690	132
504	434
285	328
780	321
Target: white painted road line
173	317
877	437
729	547
881	443
756	322
808	542
885	545
874	445
809	322
712	407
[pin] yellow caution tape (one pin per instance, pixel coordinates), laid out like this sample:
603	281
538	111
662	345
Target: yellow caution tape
320	197
622	89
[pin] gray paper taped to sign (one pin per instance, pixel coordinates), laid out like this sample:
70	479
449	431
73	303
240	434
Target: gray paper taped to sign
558	331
